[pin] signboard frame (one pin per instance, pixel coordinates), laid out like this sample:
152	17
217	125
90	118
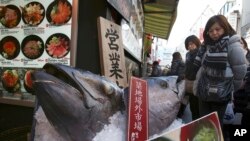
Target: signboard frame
111	51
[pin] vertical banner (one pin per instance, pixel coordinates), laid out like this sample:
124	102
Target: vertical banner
138	110
111	52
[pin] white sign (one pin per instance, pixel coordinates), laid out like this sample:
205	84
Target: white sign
232	19
131	44
35	32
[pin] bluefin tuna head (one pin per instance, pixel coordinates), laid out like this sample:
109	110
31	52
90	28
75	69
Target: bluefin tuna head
77	103
164	96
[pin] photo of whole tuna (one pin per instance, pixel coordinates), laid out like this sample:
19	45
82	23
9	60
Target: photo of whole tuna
77	105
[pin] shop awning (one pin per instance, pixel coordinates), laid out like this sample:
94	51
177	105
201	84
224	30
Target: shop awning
159	17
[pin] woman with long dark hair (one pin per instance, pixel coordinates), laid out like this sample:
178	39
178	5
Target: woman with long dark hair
221	64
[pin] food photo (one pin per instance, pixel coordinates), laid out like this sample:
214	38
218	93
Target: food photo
9	47
59	12
10	80
10	16
58	45
33	13
32	47
28	81
206	129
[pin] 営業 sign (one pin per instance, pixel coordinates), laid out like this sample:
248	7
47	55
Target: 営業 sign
111	52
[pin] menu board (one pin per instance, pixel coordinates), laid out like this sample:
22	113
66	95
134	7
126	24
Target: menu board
32	33
35	32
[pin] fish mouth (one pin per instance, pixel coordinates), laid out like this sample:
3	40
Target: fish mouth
92	89
76	100
53	93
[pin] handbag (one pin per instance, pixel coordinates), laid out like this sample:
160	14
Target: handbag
189	86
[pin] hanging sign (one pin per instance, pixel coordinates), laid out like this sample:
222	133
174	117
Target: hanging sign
111	52
138	110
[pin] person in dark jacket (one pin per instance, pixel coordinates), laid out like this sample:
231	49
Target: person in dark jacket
192	44
246	49
177	66
242	96
156	69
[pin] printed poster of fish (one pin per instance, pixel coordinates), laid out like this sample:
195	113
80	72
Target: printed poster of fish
34	33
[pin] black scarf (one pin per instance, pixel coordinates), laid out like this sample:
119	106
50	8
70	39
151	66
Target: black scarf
216	57
215	61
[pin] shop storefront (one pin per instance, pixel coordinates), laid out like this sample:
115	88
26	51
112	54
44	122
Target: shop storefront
30	33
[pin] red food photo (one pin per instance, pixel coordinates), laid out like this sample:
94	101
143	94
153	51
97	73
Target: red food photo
9	47
28	81
33	13
11	16
58	45
59	12
204	129
11	81
32	47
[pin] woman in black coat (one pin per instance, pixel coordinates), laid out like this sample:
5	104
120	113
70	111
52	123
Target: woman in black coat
192	44
177	66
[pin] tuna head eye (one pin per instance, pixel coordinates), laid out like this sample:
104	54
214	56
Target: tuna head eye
164	84
108	89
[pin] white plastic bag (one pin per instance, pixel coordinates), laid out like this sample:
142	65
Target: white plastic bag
229	115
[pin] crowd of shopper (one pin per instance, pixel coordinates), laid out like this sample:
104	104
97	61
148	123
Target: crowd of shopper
215	72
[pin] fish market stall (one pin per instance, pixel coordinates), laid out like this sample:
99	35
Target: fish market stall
80	105
89	105
40	35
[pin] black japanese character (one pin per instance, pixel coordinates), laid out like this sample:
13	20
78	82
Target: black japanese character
113	36
115	71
